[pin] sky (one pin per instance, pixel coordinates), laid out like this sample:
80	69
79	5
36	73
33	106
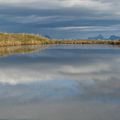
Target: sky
61	18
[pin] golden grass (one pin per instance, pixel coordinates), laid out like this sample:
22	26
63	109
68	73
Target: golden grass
12	39
7	39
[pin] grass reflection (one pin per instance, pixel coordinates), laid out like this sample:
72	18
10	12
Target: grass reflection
11	50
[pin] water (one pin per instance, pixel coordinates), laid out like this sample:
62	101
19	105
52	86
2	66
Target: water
67	82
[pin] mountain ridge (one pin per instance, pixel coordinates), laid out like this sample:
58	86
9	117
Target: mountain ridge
101	37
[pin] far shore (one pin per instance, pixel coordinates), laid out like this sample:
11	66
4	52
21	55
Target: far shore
12	39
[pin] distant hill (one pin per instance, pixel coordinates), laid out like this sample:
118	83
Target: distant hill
101	37
47	36
113	37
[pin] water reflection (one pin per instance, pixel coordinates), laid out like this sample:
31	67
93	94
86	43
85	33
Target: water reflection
11	50
61	82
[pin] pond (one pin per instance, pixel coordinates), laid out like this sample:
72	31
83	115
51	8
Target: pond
66	82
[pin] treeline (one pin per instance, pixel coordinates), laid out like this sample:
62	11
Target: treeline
7	39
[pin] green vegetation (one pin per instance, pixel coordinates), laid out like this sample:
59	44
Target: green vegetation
7	39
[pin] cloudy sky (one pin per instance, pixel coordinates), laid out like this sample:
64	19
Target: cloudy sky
61	18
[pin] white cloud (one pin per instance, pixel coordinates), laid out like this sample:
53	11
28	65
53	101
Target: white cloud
37	4
58	3
89	28
98	5
31	19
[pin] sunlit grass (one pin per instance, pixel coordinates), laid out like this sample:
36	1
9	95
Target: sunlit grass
12	39
7	39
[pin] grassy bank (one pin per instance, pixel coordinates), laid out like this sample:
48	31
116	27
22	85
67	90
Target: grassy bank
7	39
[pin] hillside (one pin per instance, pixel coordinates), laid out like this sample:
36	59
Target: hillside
7	39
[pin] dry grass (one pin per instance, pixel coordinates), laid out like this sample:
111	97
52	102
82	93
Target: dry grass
8	39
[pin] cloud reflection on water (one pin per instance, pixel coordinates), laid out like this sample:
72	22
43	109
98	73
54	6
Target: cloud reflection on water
87	75
60	83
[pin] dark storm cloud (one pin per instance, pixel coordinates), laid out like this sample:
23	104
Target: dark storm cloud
59	18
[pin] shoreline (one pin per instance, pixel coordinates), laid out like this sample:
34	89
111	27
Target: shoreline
21	39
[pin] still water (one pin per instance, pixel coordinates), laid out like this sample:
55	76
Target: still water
67	82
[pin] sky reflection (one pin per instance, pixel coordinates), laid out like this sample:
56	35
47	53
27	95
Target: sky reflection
59	73
82	66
